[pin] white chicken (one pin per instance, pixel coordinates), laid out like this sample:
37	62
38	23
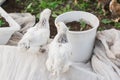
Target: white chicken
59	52
38	35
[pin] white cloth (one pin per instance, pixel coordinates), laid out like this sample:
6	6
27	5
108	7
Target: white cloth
25	20
106	60
16	64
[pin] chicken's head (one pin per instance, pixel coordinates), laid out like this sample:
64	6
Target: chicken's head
61	27
45	14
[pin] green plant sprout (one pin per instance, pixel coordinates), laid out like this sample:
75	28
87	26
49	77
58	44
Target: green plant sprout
83	24
62	10
106	21
1	22
117	25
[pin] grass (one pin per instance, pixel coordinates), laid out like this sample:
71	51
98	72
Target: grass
61	6
117	25
108	21
36	6
57	6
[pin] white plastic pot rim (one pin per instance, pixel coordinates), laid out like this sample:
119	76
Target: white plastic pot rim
83	12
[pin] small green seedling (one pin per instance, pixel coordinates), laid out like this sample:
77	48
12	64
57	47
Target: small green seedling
117	25
1	22
83	24
62	10
106	21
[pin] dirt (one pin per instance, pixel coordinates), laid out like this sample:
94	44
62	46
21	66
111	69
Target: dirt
53	29
4	22
76	26
12	6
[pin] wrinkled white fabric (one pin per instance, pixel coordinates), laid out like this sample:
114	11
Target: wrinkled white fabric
25	20
16	64
105	60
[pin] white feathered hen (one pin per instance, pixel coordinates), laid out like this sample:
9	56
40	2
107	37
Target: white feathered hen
59	52
38	35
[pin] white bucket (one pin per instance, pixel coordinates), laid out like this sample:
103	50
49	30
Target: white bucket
82	41
6	32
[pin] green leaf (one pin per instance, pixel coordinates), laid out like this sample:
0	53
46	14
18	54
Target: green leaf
1	22
54	15
43	4
29	6
106	21
53	5
83	24
117	25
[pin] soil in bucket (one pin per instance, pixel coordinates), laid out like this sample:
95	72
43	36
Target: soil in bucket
78	26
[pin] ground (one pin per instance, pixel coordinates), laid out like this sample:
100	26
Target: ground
59	7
